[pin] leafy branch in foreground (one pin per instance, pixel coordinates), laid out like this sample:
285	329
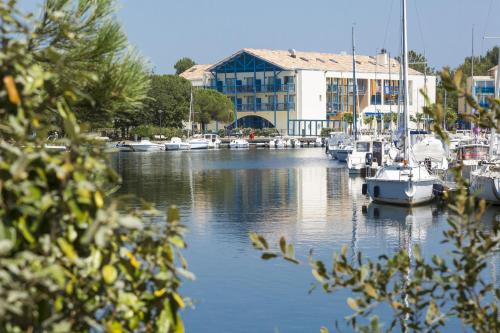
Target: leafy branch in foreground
72	258
422	294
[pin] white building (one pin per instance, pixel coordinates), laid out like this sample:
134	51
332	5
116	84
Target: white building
482	88
301	92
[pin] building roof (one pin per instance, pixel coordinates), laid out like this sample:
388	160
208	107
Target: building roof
320	61
195	72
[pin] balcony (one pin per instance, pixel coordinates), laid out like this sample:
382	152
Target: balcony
334	88
251	89
250	107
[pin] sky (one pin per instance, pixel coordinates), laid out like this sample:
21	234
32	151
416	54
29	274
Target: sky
210	30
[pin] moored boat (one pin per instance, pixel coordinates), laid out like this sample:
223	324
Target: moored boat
239	144
145	146
177	144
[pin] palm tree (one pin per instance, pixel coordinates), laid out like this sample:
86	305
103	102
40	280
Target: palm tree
347	117
369	121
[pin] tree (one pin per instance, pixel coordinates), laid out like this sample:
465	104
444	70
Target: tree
210	105
418	62
100	64
482	64
169	94
72	258
422	292
183	64
369	121
451	118
348	118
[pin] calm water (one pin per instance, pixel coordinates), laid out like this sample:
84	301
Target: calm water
300	194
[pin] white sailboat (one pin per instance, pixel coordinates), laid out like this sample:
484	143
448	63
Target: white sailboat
407	183
197	142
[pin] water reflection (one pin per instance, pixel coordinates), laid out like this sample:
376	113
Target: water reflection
300	194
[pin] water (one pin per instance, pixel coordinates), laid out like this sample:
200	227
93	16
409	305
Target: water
300	194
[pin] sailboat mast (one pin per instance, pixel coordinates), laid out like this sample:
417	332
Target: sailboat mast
191	120
405	85
355	92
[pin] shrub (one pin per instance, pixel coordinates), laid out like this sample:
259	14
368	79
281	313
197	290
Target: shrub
72	258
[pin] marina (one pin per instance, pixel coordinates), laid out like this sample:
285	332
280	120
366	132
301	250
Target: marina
299	193
266	166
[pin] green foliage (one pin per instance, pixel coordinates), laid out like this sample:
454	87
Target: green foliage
211	105
369	120
183	64
258	132
482	64
72	258
168	101
347	117
111	78
422	294
325	132
148	131
418	62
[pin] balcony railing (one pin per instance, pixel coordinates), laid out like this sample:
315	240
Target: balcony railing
265	107
254	88
485	90
334	88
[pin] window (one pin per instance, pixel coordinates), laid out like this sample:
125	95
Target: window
320	60
363	147
320	97
334	61
305	59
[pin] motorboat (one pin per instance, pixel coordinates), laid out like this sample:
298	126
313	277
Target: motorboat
409	182
336	141
177	144
239	144
343	151
213	140
485	182
55	147
277	143
145	146
292	143
198	143
360	155
123	147
318	142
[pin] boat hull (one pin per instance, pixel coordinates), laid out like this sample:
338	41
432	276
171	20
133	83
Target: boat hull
400	192
177	146
343	154
198	145
487	188
145	148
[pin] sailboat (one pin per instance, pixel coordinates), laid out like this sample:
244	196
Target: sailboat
407	183
195	142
